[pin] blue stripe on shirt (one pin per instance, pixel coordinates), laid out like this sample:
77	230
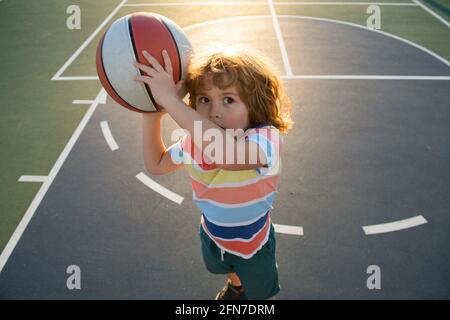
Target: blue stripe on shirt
243	232
242	214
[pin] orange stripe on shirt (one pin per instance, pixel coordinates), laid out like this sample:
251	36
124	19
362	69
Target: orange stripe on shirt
236	195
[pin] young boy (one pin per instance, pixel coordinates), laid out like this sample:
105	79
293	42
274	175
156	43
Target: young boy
234	90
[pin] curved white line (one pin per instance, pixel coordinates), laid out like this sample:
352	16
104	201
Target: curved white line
152	184
206	23
442	59
395	226
294	230
108	136
264	3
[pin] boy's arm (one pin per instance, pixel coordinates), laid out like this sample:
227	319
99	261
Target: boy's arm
185	117
156	158
166	94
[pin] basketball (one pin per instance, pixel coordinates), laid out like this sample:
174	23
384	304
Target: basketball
121	46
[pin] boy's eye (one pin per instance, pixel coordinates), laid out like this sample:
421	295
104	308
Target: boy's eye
203	100
228	100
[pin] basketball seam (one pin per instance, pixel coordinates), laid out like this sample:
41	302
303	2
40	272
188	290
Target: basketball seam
180	69
106	75
147	88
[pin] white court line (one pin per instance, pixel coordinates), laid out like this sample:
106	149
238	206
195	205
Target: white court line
362	77
347	77
75	78
45	186
32	178
434	14
101	99
281	228
108	136
332	3
435	55
82	102
394	226
218	3
284	55
225	20
152	184
88	40
263	3
355	77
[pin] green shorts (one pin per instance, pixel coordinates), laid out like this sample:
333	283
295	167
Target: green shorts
259	274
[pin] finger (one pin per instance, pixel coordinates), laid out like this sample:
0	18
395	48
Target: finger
167	62
143	79
155	64
179	85
147	69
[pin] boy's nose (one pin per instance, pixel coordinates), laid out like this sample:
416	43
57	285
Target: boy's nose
215	111
216	115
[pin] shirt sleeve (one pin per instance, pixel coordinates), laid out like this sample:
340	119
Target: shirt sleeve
176	151
269	140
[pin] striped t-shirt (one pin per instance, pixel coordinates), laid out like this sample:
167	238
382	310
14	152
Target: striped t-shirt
235	204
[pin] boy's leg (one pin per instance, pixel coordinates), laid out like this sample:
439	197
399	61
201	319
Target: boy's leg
259	274
212	256
232	291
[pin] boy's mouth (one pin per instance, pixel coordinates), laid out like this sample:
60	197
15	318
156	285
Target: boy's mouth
220	126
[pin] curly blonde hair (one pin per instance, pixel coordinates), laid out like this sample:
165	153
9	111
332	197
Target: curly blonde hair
258	86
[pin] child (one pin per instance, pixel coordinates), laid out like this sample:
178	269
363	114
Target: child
231	89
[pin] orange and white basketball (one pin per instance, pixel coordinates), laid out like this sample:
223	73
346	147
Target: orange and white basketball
122	45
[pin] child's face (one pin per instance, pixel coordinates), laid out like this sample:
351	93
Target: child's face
222	106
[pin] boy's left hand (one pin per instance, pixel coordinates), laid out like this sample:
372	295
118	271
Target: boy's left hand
160	80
